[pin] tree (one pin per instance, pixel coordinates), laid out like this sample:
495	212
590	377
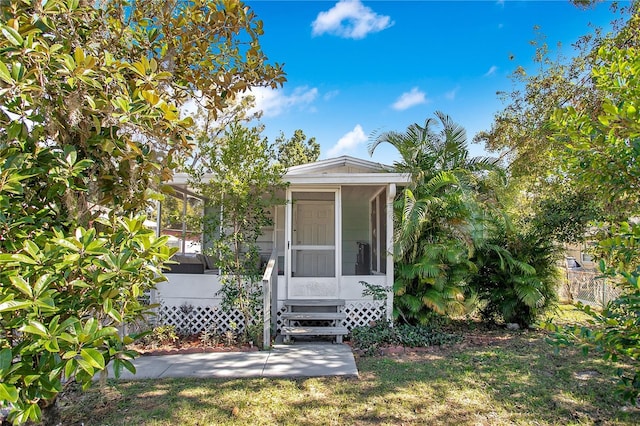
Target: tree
242	185
609	148
521	131
297	150
89	130
433	239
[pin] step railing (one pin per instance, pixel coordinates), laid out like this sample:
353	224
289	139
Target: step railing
269	278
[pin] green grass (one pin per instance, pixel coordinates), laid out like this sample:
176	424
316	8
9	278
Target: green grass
492	377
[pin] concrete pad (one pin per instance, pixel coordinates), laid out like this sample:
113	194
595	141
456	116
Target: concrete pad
286	361
222	364
311	360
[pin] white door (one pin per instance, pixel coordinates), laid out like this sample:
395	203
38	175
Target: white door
312	248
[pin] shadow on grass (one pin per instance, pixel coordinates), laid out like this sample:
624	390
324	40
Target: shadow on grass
511	379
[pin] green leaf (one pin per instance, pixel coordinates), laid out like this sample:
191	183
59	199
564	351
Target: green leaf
52	345
42	283
69	355
14	305
5	75
35	327
68	244
22	258
86	366
6	357
126	364
70	367
12	35
33	412
8	393
610	108
31	248
22	285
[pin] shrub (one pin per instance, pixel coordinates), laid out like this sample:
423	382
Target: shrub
517	277
370	339
160	336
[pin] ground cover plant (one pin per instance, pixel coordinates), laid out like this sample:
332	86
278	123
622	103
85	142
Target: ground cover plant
371	340
493	376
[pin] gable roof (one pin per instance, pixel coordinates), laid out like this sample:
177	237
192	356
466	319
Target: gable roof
344	164
345	170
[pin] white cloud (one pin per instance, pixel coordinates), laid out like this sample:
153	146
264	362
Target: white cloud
274	102
348	142
491	71
451	94
350	19
410	99
330	95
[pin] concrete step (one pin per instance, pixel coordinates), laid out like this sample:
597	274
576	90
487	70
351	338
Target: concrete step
314	316
314	331
289	331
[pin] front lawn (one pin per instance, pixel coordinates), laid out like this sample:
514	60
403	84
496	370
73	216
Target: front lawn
491	377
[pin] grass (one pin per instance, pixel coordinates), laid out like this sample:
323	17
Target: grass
492	377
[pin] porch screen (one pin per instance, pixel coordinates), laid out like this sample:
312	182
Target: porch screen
379	233
313	240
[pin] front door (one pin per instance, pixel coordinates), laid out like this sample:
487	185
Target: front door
312	245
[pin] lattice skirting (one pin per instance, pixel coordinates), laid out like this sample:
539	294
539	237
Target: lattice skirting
358	314
196	319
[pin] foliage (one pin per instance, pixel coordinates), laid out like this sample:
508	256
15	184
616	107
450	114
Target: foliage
89	130
604	150
537	152
564	214
377	291
517	275
608	144
61	300
616	330
297	150
161	335
433	217
383	333
241	184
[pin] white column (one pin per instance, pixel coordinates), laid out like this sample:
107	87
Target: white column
391	194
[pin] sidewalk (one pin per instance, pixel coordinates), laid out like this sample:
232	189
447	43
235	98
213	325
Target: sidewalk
284	361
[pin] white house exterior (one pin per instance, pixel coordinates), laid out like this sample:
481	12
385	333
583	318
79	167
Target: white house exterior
334	231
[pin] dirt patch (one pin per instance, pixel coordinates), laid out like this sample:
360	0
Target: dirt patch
191	345
192	349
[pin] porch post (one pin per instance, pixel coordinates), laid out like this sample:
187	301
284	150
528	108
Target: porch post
391	194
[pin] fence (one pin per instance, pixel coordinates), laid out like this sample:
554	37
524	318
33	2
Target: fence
588	287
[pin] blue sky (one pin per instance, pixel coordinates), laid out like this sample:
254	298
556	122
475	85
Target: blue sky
356	67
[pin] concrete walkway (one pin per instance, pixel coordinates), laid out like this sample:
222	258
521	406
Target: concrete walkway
284	361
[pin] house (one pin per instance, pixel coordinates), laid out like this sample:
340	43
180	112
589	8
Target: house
334	232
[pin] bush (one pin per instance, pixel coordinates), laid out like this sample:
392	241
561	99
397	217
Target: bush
517	277
160	336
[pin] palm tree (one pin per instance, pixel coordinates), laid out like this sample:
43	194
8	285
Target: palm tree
434	215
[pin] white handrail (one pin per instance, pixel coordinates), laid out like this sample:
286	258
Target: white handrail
269	277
